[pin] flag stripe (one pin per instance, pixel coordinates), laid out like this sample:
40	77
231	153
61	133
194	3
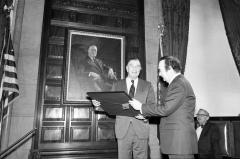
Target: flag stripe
9	68
10	87
10	82
12	96
11	74
9	56
10	63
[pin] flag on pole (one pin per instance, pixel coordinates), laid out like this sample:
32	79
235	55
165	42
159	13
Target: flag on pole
161	84
9	89
158	80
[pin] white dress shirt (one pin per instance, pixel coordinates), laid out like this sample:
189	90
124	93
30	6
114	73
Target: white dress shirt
129	83
199	131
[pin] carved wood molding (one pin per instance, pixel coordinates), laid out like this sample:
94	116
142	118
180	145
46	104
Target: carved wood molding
99	6
93	27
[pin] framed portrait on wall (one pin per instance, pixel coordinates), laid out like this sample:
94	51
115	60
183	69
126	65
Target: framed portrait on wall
93	62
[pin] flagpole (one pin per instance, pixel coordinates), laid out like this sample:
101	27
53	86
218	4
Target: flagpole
3	46
1	124
161	30
160	54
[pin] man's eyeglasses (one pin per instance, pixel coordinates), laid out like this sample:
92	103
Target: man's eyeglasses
201	114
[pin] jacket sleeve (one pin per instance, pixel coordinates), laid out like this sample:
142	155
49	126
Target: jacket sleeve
173	100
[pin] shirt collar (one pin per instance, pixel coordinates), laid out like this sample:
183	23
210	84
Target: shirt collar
130	83
174	76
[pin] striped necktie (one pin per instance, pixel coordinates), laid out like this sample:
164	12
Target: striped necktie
132	89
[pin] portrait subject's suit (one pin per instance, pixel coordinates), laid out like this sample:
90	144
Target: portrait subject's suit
97	66
177	129
145	94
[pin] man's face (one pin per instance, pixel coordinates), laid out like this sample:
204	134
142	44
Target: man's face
162	71
133	69
202	117
92	52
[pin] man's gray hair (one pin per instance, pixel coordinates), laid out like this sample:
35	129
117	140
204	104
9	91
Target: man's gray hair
206	112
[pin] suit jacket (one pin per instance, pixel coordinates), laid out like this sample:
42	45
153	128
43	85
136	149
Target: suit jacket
177	132
145	94
208	143
97	66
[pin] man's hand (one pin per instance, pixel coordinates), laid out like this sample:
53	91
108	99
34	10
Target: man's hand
135	104
140	117
111	74
94	75
96	105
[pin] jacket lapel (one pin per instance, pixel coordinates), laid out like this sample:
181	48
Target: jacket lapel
176	78
174	81
95	63
139	88
205	129
124	85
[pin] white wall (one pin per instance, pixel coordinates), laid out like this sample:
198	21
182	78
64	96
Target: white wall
210	67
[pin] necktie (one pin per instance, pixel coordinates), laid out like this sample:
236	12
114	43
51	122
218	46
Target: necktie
132	89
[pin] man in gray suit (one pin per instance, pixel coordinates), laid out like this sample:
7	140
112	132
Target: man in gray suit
178	138
132	133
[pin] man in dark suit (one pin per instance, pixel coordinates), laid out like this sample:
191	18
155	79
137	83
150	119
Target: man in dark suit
178	137
132	133
208	136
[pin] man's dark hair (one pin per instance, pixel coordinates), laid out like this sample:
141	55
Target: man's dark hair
173	62
133	58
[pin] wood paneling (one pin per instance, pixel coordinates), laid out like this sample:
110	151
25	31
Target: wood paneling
74	129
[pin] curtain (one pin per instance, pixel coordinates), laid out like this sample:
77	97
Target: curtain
176	22
231	18
174	36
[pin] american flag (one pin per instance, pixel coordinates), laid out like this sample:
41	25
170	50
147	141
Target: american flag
9	89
